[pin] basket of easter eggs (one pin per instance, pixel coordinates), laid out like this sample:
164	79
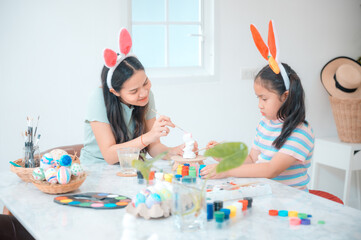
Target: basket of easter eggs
58	173
26	174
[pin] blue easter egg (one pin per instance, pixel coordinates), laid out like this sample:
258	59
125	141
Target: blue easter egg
65	160
46	161
152	199
140	198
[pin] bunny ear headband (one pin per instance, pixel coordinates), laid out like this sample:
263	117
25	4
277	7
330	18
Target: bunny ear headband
270	53
112	59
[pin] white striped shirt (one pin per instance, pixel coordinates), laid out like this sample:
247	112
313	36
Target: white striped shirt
298	145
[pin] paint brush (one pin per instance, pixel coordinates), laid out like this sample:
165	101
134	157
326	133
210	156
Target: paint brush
209	147
173	123
16	165
37	140
36	128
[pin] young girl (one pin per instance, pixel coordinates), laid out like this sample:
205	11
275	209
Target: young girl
120	113
283	146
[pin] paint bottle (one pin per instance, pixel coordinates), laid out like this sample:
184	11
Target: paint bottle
217	205
219	216
200	168
227	212
140	177
209	211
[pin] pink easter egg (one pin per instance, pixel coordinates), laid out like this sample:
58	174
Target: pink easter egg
63	175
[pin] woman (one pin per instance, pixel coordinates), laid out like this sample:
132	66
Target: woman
121	113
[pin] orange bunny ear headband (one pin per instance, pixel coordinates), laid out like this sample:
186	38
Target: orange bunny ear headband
112	59
270	53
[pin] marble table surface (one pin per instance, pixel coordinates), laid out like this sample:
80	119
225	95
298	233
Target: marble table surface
45	219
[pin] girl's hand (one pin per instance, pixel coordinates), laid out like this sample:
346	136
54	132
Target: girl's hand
209	171
212	144
159	128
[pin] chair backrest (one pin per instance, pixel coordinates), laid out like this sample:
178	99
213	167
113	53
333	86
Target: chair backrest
326	195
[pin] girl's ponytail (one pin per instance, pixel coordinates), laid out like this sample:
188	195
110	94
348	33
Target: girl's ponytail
292	111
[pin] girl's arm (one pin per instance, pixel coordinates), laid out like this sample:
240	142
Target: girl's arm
252	156
279	163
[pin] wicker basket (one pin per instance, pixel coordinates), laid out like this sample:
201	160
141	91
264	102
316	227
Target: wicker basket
26	174
56	188
347	115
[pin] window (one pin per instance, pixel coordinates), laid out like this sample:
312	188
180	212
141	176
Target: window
173	37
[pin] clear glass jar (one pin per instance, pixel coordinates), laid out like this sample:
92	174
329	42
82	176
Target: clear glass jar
189	205
31	156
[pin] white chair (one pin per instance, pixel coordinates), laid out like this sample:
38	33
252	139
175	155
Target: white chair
334	153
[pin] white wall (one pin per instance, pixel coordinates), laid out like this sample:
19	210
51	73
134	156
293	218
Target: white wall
50	61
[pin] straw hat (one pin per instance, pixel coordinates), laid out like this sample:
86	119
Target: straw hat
342	78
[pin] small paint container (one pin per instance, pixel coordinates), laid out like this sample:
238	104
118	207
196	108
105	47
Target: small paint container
219	216
292	213
140	177
159	176
209	211
227	212
233	211
168	177
283	213
305	221
250	200
244	204
200	169
178	177
217	205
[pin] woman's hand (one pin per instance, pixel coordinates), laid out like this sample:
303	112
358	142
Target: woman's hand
195	148
209	171
160	128
178	150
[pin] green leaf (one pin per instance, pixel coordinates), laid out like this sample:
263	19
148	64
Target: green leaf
145	166
233	155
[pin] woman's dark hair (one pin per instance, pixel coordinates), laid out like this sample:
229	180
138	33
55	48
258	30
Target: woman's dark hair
122	73
292	111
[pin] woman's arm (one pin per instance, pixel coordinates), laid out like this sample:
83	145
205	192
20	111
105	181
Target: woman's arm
156	147
279	163
106	141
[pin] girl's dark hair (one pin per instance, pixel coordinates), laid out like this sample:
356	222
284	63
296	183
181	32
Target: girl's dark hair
122	73
292	111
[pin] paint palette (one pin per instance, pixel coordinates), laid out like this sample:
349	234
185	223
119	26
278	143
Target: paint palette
94	200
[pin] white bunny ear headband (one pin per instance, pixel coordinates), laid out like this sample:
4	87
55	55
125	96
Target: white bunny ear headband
112	59
270	53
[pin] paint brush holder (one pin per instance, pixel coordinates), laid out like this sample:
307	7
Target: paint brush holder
31	156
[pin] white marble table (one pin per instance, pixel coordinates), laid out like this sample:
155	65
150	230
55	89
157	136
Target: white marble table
45	219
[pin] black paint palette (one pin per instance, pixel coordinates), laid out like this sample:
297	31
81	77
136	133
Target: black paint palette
94	200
